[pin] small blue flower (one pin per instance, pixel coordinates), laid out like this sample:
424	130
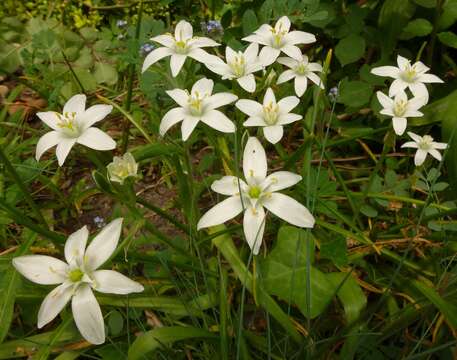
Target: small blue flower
146	49
333	93
212	28
121	23
99	221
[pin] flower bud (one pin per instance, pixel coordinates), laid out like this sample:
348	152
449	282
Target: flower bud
122	167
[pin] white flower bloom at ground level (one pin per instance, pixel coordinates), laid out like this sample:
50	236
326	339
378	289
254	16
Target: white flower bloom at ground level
270	115
279	39
400	108
73	126
408	76
239	66
300	71
180	46
424	145
259	191
122	167
199	105
77	277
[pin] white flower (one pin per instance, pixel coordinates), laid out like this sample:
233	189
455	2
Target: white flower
198	106
270	115
301	70
424	145
239	66
179	47
400	108
277	39
252	196
77	277
74	126
122	167
408	76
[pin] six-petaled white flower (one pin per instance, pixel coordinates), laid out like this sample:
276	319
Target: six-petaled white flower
77	277
301	71
180	46
408	76
270	115
424	145
239	66
279	38
400	108
259	191
122	167
199	105
73	126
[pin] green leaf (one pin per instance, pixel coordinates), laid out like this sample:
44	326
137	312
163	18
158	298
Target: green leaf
335	249
115	323
105	73
416	27
426	3
354	93
86	79
350	49
284	273
448	38
249	22
449	15
157	338
350	294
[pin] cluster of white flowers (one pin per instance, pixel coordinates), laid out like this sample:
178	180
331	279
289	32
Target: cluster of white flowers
399	107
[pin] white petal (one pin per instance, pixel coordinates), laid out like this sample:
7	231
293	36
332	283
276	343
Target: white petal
218	121
300	85
410	144
397	86
429	78
280	180
46	142
230	54
289	62
254	161
171	118
249	107
203	86
420	156
315	67
88	315
289	209
219	99
399	124
250	54
76	104
385	101
390	71
154	56
414	136
50	118
287	104
402	62
300	37
164	40
188	125
228	185
285	76
273	133
93	115
112	282
439	145
96	139
292	51
247	82
41	269
257	38
315	79
54	303
436	154
200	42
283	24
202	56
419	90
255	121
285	119
179	95
183	31
103	245
63	148
268	55
254	226
75	246
421	67
176	63
222	212
269	97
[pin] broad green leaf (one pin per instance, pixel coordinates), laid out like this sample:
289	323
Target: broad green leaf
350	294
148	151
355	93
159	337
426	3
350	49
249	22
86	79
284	273
449	15
335	249
416	27
105	73
448	38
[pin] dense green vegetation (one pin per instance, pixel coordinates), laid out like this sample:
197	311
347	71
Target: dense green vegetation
374	278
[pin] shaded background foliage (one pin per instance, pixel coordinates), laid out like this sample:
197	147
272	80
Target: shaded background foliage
376	278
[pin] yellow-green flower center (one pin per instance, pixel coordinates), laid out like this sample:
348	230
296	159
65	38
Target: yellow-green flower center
301	69
195	102
278	35
409	74
270	113
400	107
75	275
238	66
254	192
426	142
181	46
67	122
